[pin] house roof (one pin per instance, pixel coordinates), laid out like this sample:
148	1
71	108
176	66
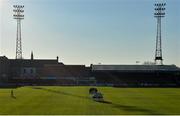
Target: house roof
32	63
136	67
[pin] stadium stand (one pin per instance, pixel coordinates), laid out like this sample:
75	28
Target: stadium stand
51	72
137	75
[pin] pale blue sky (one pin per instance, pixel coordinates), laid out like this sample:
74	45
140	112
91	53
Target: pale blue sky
91	31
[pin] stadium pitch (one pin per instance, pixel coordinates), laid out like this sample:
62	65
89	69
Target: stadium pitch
76	100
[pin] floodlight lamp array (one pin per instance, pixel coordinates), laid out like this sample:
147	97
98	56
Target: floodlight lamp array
18	6
18	11
18	16
159	10
160	4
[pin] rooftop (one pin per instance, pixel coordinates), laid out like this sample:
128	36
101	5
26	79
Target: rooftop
136	67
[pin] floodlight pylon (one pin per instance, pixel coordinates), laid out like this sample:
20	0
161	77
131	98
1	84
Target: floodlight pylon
159	13
18	15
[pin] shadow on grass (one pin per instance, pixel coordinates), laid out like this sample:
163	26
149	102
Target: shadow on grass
127	108
63	93
133	109
105	102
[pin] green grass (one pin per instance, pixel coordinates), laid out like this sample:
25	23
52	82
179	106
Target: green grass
76	100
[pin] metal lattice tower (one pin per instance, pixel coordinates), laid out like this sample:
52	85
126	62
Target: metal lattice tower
159	13
18	15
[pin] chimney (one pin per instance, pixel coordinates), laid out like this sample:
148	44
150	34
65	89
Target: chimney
32	56
57	59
